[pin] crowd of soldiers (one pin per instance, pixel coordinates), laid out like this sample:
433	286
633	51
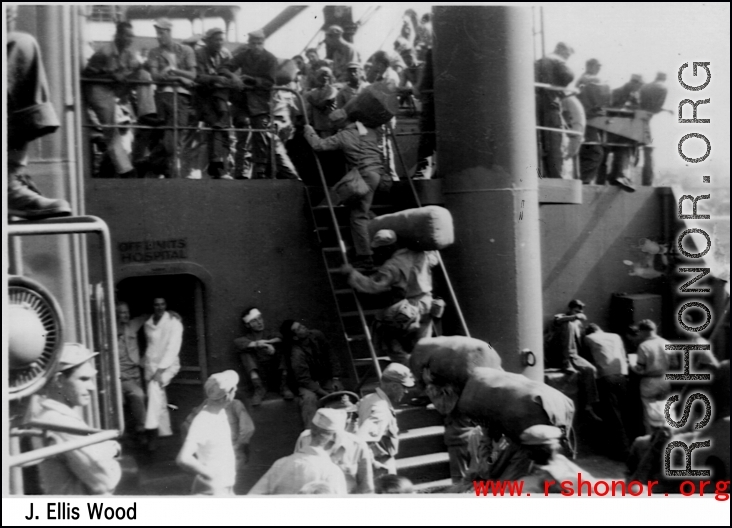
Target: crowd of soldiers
196	108
498	425
560	106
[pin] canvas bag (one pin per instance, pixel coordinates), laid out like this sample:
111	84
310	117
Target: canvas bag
351	187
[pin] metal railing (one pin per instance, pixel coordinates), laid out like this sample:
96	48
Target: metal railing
575	158
109	358
175	127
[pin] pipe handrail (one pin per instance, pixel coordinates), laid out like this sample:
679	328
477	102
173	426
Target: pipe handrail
341	243
77	225
448	282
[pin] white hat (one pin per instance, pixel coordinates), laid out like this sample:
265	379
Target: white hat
74	355
220	384
163	23
332	420
398	373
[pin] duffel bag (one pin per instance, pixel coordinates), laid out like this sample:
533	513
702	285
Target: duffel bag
422	229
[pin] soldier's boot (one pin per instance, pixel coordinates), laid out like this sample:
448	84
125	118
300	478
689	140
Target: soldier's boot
260	391
25	201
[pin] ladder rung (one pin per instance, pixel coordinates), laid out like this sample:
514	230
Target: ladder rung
326	207
358	337
343	291
334	249
328	228
378	206
365	312
368	361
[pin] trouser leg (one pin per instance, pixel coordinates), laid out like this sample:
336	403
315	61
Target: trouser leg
550	116
590	156
135	397
602	169
102	100
158	153
261	154
308	406
156	404
215	114
243	139
621	163
285	168
613	393
397	351
360	216
427	126
168	154
459	460
145	94
587	378
590	161
647	175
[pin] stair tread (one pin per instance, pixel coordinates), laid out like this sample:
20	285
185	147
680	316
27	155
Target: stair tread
422	432
423	486
422	460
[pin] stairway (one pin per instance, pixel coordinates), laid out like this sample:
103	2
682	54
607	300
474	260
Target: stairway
422	456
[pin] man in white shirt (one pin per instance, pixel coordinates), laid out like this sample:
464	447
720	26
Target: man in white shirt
652	365
164	333
608	355
208	451
349	452
311	464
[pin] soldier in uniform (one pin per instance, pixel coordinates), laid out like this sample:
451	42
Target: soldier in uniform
627	98
552	70
257	69
30	116
213	100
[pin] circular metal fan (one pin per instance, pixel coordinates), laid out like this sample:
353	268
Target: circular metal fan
35	336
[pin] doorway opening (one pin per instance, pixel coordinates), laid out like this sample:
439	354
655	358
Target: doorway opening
184	295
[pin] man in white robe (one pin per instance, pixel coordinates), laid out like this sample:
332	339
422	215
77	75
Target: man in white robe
164	333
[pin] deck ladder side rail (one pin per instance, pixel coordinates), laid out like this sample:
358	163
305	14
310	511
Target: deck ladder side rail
339	293
342	249
448	282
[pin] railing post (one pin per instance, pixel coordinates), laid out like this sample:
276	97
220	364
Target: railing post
176	158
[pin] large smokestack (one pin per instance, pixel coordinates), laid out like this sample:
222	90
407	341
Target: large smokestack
486	144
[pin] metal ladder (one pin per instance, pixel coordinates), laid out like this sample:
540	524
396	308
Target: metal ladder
354	311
